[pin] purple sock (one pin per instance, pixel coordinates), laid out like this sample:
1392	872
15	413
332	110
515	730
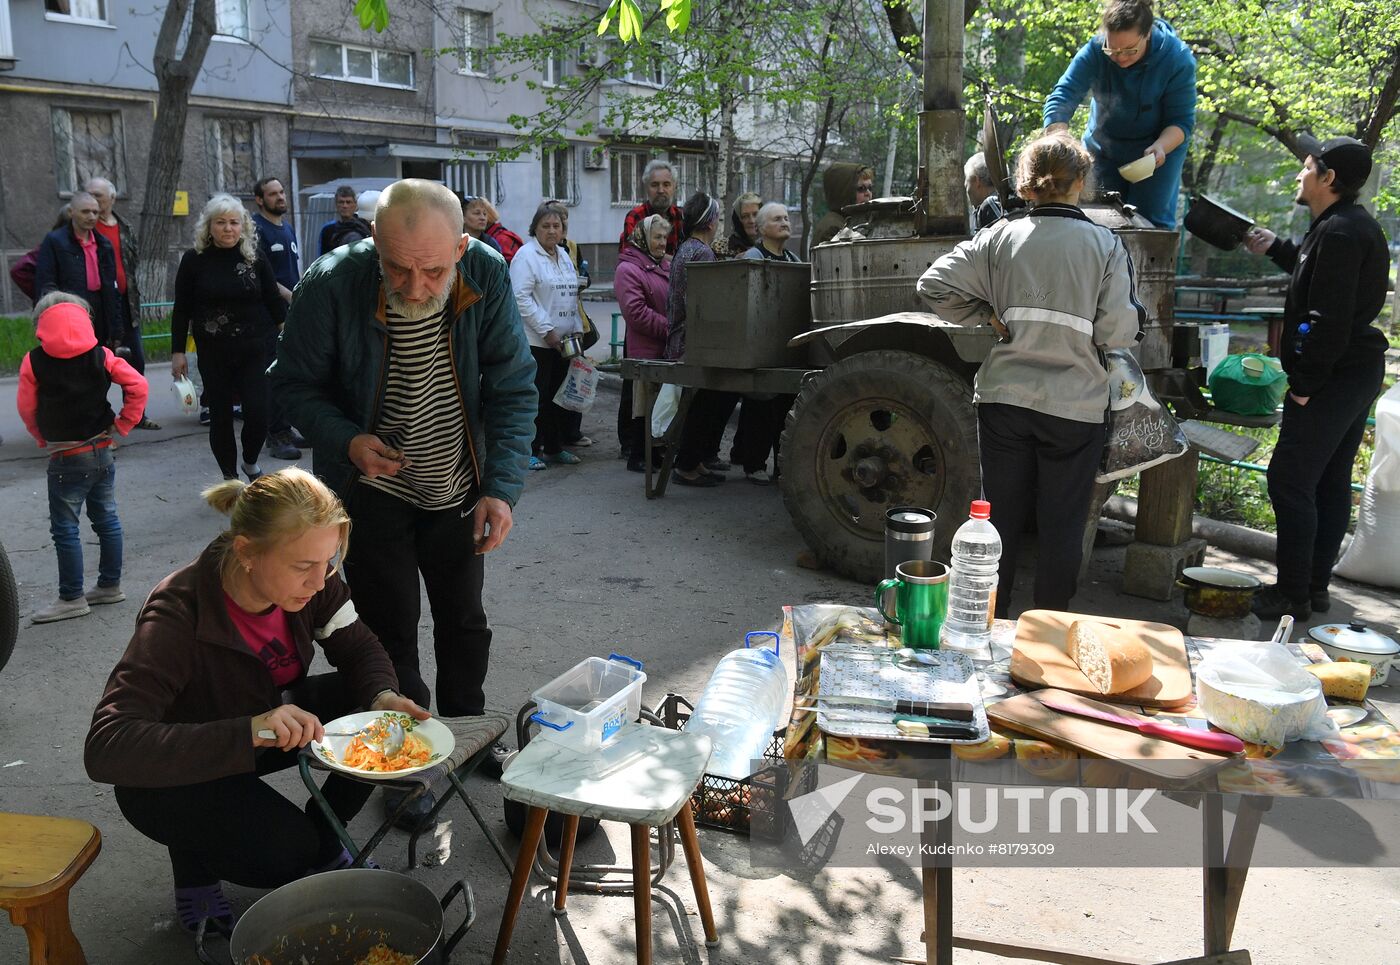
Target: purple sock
193	905
340	862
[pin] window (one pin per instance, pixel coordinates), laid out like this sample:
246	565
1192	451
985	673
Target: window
557	179
87	144
231	19
95	10
473	173
235	154
7	37
625	169
361	65
553	70
647	69
476	38
692	174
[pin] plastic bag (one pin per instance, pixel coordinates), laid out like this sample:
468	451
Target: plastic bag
668	403
185	395
1374	554
1141	432
580	387
1248	384
1262	695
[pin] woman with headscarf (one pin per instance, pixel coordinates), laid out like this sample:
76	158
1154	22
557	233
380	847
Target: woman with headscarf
709	410
642	284
743	223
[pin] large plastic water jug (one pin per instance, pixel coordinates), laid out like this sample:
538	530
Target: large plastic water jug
741	706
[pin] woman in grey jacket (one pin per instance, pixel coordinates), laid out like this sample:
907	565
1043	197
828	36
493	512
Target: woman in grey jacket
1060	290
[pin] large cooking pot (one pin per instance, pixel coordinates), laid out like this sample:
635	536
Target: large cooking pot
1220	593
1216	223
335	918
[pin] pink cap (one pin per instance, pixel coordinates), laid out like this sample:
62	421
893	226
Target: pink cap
981	509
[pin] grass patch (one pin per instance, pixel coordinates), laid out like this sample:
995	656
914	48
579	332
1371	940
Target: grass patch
17	339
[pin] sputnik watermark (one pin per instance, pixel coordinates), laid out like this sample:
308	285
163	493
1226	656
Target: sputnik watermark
1109	810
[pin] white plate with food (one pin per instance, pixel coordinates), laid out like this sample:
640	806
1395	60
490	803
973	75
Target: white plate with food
426	742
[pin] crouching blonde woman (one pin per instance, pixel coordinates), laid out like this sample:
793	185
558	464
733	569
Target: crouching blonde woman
222	652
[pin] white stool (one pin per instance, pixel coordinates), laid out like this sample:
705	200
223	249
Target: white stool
644	778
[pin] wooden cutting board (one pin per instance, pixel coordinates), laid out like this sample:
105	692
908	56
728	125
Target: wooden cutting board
1166	761
1039	659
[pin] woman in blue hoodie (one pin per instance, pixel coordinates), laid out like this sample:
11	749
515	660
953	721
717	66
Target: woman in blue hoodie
1143	80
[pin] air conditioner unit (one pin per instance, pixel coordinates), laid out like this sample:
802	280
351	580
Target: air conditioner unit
595	159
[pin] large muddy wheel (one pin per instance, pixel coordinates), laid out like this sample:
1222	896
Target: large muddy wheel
877	430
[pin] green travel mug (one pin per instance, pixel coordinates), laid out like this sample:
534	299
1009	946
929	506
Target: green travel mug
920	602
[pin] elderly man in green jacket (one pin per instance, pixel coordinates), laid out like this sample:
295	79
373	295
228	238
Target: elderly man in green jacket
404	361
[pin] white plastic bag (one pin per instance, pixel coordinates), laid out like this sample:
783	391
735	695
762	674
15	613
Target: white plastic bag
1262	695
185	395
580	387
1141	432
668	403
1374	554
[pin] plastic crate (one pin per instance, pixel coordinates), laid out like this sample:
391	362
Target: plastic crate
587	705
753	805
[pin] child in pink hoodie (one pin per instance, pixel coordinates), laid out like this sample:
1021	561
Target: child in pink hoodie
63	401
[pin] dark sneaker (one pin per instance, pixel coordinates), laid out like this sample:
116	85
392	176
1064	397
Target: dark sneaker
148	423
415	813
636	465
204	416
703	479
281	447
1270	604
717	465
296	438
1321	601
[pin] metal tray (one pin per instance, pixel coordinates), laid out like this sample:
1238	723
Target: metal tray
872	672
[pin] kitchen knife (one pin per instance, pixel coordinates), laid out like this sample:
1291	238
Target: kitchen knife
1205	740
912	708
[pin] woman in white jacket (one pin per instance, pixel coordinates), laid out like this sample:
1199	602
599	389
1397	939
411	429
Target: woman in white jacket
546	289
1062	289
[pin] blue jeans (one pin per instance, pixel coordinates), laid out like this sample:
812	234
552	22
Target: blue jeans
89	477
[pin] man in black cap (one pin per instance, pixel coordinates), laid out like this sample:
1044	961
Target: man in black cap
1335	360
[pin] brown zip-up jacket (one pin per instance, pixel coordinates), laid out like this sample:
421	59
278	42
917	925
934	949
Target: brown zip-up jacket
178	707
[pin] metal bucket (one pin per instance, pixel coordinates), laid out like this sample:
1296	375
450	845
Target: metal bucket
571	345
1153	251
338	916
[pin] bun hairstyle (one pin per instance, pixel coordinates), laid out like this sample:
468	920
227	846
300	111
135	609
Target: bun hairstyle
275	508
699	210
1049	166
1134	15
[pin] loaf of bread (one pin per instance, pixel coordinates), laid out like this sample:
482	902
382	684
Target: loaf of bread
1114	661
1345	679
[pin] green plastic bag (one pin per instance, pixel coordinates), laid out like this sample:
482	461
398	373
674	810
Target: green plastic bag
1248	384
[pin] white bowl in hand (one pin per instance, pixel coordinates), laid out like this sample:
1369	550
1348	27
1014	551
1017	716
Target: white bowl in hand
1139	170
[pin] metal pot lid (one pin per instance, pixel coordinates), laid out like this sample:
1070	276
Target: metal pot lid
1356	637
1217	576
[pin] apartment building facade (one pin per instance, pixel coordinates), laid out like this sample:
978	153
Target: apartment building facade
78	100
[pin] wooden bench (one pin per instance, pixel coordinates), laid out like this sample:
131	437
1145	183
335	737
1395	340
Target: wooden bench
41	859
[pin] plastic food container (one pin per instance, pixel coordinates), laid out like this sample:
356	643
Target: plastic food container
586	707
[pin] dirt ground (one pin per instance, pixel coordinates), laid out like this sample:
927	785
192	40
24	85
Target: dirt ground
591	567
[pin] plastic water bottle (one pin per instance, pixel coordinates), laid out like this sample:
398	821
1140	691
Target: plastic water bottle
972	584
741	706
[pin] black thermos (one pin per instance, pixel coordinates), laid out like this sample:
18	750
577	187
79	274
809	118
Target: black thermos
908	536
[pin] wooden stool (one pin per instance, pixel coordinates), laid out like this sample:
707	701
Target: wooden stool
644	778
43	860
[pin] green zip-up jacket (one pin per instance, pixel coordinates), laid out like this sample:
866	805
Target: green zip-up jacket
332	362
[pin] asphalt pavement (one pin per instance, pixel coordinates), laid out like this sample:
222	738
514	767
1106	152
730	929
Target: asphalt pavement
591	567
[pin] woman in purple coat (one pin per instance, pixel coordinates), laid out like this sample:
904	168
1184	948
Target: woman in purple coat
641	284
